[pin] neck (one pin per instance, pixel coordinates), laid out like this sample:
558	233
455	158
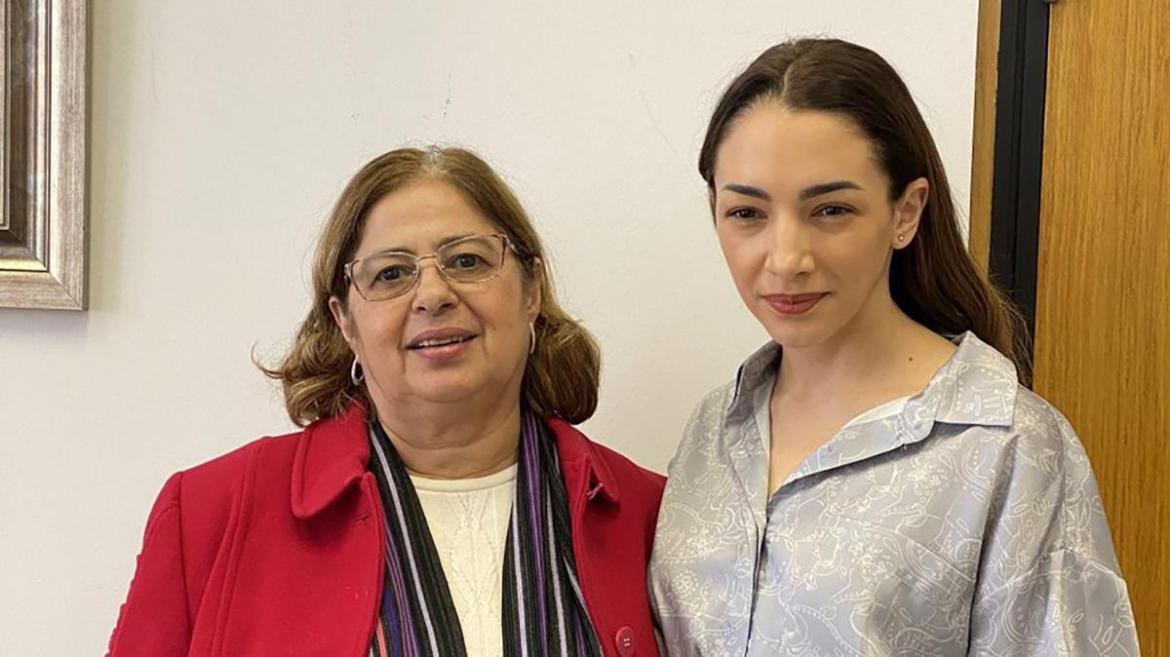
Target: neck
452	441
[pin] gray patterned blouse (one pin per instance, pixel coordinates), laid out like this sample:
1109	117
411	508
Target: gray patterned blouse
967	524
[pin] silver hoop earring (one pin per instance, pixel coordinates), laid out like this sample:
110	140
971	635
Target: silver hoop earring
532	341
356	375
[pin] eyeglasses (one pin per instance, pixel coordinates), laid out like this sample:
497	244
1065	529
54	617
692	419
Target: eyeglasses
391	274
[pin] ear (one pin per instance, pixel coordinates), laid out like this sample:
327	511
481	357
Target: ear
342	318
532	290
908	212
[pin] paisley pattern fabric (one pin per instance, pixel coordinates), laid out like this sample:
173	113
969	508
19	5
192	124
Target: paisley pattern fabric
968	524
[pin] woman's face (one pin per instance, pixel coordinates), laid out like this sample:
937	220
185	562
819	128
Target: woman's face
805	221
489	319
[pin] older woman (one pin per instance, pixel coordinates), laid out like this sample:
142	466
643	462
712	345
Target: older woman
438	502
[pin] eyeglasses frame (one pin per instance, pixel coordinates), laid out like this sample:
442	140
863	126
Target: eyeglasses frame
347	268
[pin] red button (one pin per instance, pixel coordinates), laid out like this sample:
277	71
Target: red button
624	639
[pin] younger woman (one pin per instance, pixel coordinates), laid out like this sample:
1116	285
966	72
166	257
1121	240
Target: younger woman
875	480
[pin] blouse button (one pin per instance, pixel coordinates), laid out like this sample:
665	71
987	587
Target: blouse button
624	639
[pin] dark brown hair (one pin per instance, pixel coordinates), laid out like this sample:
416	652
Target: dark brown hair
933	280
562	375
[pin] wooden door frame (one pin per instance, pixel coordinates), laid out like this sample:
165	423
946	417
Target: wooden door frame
983	145
1011	76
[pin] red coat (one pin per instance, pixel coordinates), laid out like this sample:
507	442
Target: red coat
277	549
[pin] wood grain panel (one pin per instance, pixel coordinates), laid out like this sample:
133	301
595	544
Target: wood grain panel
983	147
1103	298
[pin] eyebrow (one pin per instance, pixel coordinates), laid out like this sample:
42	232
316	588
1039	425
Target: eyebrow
825	188
748	190
403	249
805	194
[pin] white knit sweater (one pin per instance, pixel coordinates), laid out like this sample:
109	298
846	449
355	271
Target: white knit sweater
468	519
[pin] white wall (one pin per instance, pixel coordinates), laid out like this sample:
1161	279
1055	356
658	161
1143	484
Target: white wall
221	134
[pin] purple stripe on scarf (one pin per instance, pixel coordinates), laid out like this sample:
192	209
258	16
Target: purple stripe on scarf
398	612
536	505
391	620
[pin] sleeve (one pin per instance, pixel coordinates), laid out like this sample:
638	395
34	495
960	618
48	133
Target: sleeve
1050	583
1071	605
654	622
154	620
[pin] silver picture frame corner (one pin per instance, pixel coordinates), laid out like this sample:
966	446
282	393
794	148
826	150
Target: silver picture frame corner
43	154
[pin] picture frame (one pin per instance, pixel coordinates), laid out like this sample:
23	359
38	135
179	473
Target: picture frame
43	151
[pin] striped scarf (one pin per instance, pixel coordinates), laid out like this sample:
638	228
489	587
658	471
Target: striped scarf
544	613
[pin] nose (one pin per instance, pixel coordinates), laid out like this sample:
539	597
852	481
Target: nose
789	249
432	293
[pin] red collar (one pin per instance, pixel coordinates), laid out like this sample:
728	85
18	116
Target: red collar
333	454
574	448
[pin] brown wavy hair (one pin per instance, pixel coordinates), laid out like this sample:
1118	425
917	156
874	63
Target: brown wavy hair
562	375
933	279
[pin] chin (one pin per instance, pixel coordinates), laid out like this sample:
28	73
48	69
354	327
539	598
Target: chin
446	389
796	339
457	380
794	332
